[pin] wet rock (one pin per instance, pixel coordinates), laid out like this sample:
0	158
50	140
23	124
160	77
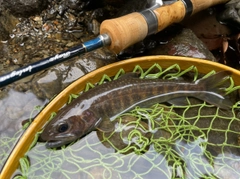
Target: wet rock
231	14
174	40
132	6
25	8
4	35
206	27
7	24
184	44
94	27
49	83
74	4
84	4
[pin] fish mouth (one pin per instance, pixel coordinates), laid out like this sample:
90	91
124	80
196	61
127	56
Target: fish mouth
56	143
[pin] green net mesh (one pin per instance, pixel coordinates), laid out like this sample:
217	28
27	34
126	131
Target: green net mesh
6	144
163	141
8	141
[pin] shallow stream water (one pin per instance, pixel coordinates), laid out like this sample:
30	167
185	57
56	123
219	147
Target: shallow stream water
46	34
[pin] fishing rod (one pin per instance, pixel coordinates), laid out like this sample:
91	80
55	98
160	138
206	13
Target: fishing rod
120	33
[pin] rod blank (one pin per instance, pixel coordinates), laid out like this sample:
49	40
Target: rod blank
30	69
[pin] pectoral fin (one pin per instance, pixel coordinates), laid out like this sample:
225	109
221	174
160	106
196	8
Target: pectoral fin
106	126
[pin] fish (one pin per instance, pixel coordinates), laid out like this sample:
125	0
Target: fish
110	99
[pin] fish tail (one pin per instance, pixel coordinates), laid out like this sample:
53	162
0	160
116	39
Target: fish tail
215	82
214	92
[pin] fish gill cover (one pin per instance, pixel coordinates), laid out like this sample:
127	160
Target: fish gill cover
197	140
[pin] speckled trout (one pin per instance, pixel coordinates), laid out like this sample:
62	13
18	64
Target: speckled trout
85	113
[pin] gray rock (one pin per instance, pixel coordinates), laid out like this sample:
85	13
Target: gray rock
231	14
132	6
74	4
4	35
7	24
25	8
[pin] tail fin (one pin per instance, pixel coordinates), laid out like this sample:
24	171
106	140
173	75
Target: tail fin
214	89
215	81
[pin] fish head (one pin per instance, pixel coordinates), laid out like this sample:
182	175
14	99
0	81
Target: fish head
62	130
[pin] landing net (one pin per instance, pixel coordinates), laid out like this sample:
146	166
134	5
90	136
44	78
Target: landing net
197	140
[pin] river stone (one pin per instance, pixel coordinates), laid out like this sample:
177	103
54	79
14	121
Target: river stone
187	44
25	8
7	24
231	14
49	83
132	6
4	35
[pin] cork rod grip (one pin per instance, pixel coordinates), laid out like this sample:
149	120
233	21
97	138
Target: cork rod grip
199	5
170	14
125	31
132	28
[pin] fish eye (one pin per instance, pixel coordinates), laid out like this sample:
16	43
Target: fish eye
63	127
